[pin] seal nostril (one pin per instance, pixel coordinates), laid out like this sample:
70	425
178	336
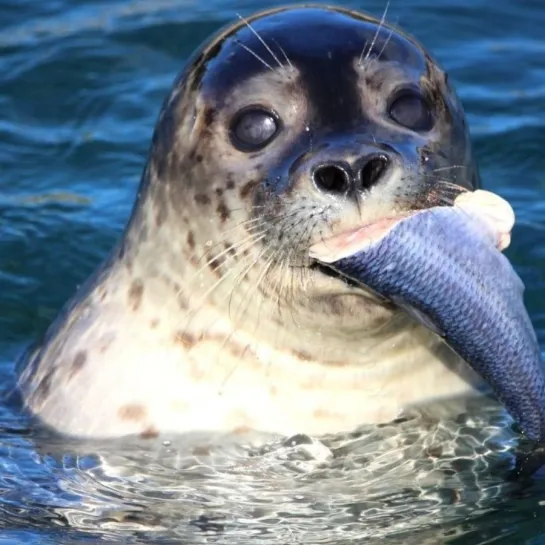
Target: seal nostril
373	171
332	178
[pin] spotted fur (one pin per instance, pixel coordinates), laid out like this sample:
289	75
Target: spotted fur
209	315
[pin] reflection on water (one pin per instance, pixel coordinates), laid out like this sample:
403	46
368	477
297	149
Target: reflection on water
410	481
80	87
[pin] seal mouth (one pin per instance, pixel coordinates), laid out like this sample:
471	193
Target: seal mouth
351	241
348	243
492	209
332	273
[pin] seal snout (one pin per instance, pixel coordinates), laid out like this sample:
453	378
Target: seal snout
340	178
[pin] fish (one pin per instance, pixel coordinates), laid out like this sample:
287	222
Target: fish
444	266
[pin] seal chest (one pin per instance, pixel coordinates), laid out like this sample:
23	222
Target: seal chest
209	314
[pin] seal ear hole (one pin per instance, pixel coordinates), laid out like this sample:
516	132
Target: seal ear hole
252	128
411	110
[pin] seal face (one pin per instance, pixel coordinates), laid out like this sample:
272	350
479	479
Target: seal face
283	129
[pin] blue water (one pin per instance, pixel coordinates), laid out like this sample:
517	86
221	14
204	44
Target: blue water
81	84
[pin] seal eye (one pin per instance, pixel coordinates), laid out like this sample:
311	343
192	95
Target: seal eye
411	110
253	128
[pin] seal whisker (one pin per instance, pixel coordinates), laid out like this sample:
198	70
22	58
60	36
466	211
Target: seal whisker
385	44
203	300
445	185
248	299
283	53
294	285
239	282
250	226
373	41
245	224
281	257
245	268
234	366
303	270
440	169
251	239
251	232
278	288
267	47
244	46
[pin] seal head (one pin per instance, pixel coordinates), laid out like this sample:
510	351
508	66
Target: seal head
284	129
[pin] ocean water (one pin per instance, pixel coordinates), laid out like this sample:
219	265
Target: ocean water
81	84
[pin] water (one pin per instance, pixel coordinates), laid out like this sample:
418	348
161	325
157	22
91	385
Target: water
81	84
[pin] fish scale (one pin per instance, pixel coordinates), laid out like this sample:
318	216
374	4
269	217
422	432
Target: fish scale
442	266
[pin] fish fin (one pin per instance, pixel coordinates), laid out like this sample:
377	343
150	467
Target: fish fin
418	315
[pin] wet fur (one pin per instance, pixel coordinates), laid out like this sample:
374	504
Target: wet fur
208	315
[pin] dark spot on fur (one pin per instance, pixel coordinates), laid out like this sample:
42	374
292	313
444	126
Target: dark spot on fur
201	450
236	350
242	430
80	359
263	290
247	188
134	412
230	183
143	233
201	198
102	292
215	263
191	240
302	355
149	433
121	252
162	139
229	249
135	294
160	215
199	158
219	191
105	344
374	84
185	339
182	301
44	387
336	306
167	280
209	116
223	211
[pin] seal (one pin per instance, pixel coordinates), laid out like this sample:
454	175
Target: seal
289	127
